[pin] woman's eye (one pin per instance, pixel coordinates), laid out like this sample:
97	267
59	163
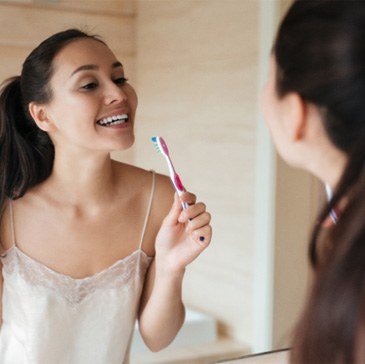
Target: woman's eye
90	86
120	80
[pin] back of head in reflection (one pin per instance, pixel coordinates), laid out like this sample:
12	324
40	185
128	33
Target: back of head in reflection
314	107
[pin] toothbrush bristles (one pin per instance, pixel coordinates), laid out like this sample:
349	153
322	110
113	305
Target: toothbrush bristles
156	144
157	148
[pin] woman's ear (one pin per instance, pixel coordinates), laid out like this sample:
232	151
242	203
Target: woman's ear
39	115
295	119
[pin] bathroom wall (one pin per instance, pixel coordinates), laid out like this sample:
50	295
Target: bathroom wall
197	84
24	23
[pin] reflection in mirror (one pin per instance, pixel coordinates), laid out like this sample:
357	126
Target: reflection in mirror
198	68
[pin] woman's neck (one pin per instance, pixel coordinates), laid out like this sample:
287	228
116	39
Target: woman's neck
86	181
329	166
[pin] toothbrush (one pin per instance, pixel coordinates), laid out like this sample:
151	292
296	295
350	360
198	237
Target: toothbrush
161	147
333	214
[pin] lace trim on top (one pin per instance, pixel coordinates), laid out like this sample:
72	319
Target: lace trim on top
117	276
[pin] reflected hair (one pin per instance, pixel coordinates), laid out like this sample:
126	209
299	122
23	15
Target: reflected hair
320	54
26	151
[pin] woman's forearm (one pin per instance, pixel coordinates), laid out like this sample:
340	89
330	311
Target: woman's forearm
183	235
164	313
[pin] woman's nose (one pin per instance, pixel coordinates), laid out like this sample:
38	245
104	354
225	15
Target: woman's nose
114	94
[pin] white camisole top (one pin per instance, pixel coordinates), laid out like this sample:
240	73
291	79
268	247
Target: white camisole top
52	318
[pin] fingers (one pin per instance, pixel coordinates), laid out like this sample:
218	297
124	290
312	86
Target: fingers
172	217
192	212
195	217
200	228
188	198
203	235
197	221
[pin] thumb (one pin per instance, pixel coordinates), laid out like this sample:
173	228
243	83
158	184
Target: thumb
171	218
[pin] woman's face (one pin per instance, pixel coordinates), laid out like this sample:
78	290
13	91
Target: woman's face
89	91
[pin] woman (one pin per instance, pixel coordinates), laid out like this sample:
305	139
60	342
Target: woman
87	243
314	106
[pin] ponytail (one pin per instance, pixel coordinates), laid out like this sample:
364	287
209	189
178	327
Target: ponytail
26	152
330	328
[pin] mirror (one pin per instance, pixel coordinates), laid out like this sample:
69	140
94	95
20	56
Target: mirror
198	68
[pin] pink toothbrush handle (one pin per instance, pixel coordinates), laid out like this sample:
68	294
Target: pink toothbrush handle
179	188
178	183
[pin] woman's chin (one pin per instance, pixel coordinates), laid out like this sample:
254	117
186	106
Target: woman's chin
124	144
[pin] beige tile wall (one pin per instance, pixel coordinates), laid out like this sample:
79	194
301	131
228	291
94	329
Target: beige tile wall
297	203
197	65
24	24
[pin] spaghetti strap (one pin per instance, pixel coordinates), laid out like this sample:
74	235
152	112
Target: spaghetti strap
12	222
148	209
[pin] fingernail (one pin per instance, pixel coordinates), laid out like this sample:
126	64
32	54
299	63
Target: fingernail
201	238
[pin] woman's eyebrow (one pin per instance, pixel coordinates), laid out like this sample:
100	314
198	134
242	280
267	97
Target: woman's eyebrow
93	67
117	64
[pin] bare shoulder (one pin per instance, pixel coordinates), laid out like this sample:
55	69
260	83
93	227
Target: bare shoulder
162	201
127	172
164	195
140	179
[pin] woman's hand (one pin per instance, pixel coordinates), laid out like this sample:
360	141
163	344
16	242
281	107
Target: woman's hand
183	235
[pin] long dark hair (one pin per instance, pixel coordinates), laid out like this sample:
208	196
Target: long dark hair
320	54
27	152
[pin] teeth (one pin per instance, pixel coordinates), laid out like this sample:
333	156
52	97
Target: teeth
113	120
116	122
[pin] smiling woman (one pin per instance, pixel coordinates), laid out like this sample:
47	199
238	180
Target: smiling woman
112	118
88	244
88	84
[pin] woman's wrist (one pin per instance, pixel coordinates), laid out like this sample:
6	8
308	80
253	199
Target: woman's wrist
164	270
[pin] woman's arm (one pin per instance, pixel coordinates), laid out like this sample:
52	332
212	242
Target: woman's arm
162	312
178	243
